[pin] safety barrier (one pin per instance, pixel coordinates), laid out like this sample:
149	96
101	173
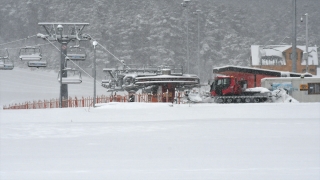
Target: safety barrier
88	102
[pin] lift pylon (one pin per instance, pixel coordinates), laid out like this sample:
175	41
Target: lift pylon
63	32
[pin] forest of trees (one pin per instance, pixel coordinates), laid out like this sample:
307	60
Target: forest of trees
154	32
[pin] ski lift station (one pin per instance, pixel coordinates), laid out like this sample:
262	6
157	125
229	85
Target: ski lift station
153	80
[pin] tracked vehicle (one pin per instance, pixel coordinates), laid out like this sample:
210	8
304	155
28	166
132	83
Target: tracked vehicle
228	89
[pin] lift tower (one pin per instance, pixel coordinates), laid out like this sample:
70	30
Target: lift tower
63	33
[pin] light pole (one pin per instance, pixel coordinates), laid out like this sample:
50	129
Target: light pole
185	4
294	37
63	87
198	13
94	43
307	43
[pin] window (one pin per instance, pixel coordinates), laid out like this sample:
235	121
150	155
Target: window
224	81
313	88
290	57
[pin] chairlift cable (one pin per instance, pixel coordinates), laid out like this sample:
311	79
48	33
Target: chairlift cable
113	55
18	40
36	45
109	52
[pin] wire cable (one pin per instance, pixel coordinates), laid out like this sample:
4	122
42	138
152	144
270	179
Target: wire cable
68	58
121	61
18	40
25	46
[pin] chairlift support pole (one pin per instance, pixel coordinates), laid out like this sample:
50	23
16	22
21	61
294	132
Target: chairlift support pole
56	34
63	87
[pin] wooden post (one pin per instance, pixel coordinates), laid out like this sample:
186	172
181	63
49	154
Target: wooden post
167	97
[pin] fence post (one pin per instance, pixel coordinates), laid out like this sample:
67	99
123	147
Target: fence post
70	102
76	101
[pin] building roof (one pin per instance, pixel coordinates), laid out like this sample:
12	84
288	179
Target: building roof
258	51
251	70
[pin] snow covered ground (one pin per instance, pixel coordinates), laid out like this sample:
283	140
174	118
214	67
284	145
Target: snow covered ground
155	140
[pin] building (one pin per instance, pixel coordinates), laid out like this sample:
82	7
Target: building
278	57
305	89
252	76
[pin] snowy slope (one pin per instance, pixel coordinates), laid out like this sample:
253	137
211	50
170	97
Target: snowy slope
20	85
154	141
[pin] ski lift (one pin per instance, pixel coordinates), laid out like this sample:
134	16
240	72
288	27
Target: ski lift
5	63
30	53
4	55
73	78
76	53
37	64
105	82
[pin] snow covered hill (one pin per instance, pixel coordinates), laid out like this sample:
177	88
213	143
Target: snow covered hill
152	141
21	85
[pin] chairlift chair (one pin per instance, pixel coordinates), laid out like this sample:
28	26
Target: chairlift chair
76	53
5	63
37	64
73	78
8	66
4	54
106	83
30	53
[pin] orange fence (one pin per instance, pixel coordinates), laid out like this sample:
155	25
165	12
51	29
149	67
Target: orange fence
88	102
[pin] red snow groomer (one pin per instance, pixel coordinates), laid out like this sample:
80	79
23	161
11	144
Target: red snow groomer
228	89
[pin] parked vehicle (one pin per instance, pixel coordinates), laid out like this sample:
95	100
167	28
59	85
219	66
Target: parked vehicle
229	89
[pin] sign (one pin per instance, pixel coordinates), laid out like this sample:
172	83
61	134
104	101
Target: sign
284	85
64	47
303	87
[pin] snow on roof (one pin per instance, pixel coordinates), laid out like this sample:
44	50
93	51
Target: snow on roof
253	70
279	47
258	51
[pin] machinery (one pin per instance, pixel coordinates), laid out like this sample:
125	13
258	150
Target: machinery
150	79
228	89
